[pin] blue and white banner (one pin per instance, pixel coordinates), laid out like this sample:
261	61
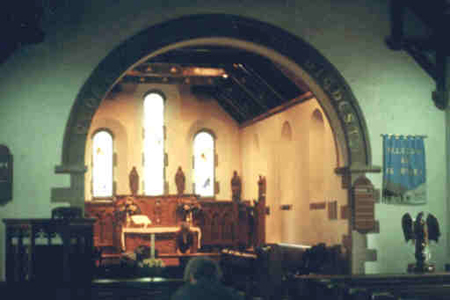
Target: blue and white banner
404	171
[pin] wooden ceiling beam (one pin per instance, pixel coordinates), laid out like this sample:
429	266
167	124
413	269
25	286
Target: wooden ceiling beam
234	106
302	98
252	95
175	70
208	81
253	73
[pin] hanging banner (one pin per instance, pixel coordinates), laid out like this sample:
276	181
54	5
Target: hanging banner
404	171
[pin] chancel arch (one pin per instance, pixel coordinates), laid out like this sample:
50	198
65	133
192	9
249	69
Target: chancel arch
295	56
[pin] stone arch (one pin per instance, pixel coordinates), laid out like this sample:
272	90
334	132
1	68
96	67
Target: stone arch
289	51
296	56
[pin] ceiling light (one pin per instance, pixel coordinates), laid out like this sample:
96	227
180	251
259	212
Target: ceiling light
200	71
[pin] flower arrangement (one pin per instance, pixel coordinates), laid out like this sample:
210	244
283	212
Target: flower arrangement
151	263
140	263
126	208
151	267
188	210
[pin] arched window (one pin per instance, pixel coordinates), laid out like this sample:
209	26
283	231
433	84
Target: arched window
154	144
102	161
204	164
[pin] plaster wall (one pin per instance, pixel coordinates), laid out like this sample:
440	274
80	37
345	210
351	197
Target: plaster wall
40	82
298	161
184	116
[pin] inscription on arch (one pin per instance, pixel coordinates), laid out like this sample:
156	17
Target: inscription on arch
344	105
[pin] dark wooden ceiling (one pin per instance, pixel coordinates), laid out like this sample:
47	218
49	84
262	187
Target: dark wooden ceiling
246	85
431	50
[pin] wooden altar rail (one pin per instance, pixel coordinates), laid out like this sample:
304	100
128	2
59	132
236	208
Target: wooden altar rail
222	223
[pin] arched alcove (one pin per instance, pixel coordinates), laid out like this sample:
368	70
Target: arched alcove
316	154
286	132
256	142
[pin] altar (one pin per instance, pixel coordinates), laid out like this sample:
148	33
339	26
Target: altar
216	224
155	231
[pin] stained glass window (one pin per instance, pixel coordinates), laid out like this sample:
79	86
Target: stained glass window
102	171
204	164
154	144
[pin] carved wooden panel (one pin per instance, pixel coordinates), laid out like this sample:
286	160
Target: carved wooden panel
364	205
104	228
317	205
222	223
332	210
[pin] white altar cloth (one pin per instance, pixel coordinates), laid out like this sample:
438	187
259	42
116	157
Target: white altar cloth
155	230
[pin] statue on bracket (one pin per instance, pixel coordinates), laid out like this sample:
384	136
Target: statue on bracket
180	181
236	187
134	181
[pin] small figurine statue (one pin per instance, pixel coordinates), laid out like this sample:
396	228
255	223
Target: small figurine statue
421	232
180	181
261	186
134	181
236	187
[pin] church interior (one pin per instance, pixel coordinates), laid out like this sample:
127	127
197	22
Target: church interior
137	137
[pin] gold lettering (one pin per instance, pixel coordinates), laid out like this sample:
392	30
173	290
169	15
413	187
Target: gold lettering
337	95
310	65
319	71
327	83
314	68
353	131
349	118
91	103
82	127
343	104
354	145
